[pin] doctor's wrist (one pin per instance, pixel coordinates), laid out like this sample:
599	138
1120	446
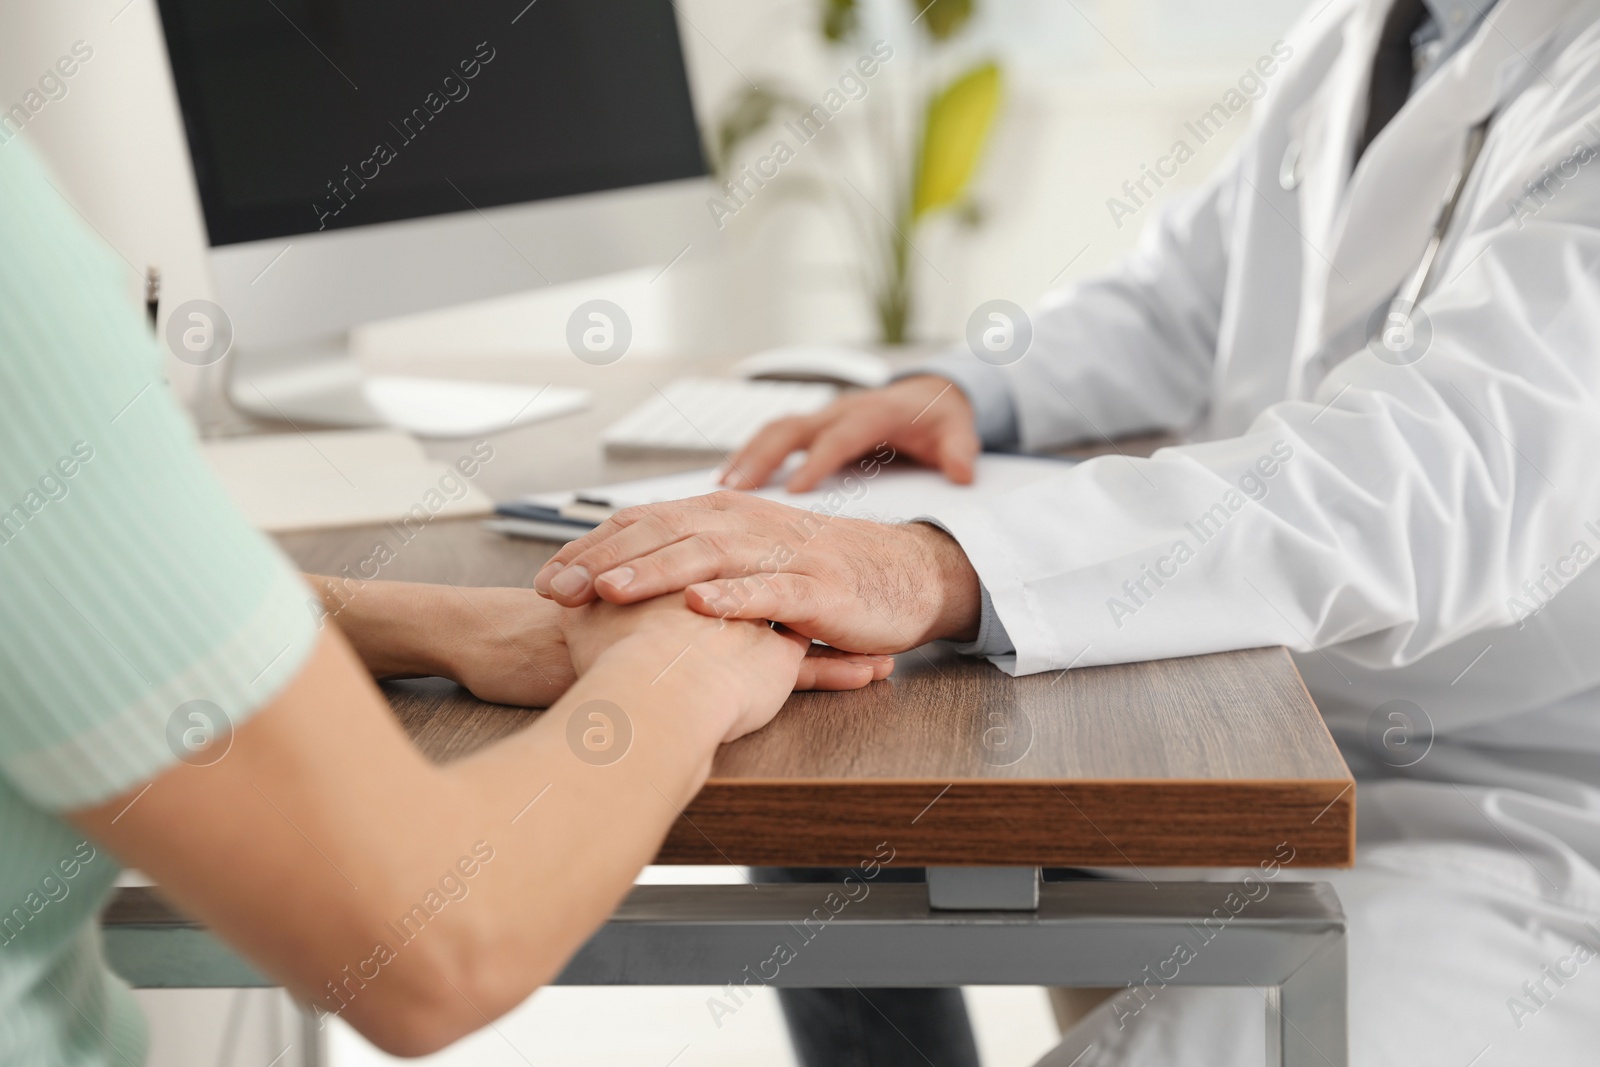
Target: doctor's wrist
954	603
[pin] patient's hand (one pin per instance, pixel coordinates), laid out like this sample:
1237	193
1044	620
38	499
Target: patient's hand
510	645
596	627
863	586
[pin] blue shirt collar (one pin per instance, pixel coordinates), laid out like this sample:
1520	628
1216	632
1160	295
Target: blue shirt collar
1454	20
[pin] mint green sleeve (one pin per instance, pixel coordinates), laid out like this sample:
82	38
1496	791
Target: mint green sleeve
130	586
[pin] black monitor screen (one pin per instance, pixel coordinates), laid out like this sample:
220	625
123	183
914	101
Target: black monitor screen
307	115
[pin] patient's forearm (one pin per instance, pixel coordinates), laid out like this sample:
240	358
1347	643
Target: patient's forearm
505	644
606	819
314	843
395	627
569	831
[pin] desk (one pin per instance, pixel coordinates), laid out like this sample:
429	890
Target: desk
1204	761
1207	761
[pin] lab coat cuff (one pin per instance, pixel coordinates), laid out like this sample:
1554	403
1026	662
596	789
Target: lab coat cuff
1004	593
993	408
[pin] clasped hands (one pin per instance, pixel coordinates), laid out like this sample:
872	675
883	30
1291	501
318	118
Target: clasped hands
707	575
508	645
859	586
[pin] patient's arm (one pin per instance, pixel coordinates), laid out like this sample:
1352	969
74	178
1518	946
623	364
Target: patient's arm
504	644
421	901
507	645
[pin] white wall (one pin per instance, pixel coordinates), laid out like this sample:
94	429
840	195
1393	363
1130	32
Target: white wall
1093	90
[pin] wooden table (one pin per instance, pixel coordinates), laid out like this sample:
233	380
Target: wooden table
1210	761
1204	761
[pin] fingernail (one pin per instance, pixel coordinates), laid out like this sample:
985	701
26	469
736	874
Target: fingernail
706	591
572	581
541	581
617	578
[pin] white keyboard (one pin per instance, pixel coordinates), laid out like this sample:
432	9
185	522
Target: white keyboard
711	415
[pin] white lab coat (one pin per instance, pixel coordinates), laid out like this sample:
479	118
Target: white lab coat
1380	520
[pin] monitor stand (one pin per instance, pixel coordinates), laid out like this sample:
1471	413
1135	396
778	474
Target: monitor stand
319	383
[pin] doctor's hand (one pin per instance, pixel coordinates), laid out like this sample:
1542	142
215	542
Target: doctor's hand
925	417
862	586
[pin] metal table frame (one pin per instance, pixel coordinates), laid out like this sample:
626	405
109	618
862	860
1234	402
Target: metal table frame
992	926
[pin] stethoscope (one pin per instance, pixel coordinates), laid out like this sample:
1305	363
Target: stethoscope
1409	293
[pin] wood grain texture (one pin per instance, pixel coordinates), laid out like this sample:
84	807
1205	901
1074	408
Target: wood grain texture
1203	761
1210	760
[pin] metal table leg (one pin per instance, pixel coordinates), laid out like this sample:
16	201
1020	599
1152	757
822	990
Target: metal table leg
1307	1019
1286	938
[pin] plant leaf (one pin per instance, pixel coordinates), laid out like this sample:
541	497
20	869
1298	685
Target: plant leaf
953	135
943	18
750	112
839	19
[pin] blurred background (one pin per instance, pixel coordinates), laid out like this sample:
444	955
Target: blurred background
1088	92
980	161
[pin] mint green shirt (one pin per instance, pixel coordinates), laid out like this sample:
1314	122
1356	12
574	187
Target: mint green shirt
130	587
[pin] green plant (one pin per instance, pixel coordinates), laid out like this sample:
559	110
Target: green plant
930	175
752	110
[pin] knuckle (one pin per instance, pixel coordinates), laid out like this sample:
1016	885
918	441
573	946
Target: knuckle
594	536
602	556
573	549
626	517
849	438
663	524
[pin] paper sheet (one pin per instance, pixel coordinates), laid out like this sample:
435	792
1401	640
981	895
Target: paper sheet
898	492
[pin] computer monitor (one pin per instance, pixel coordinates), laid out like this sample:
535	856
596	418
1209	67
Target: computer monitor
361	159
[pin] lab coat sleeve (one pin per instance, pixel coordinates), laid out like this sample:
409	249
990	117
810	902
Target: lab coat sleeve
1402	508
1119	354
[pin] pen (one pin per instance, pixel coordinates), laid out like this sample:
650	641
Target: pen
152	292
